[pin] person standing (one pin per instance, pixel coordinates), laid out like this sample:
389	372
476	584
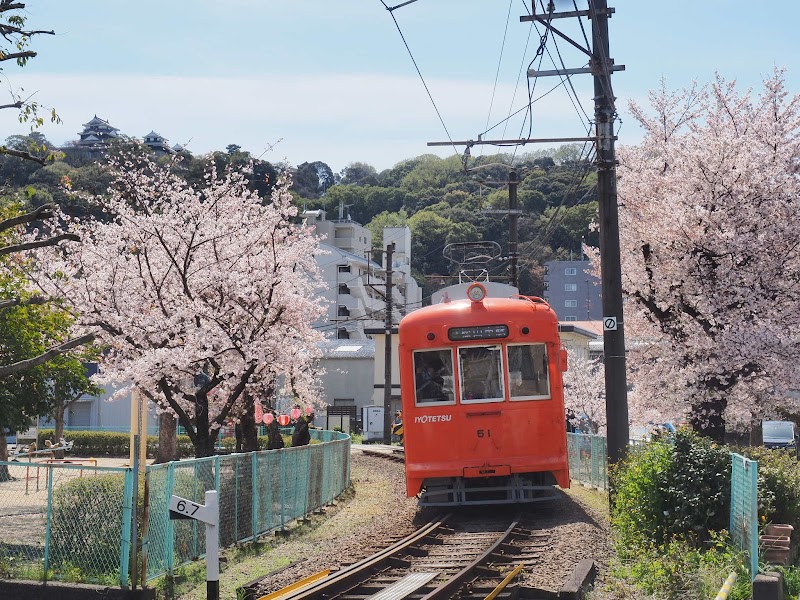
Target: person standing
397	427
301	436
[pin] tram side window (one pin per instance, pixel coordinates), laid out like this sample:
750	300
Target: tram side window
433	376
481	373
528	375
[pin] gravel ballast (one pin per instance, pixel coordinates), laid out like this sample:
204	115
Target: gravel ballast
377	511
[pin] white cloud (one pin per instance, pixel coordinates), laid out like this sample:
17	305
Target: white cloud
334	118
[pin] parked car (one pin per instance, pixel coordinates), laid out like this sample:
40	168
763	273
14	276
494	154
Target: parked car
780	434
640	434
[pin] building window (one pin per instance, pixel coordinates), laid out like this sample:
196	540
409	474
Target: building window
570	287
570	318
567	304
342	334
343	289
344	401
343	311
570	271
344	268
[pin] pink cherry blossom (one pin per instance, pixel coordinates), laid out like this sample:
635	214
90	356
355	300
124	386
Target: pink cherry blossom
202	296
709	221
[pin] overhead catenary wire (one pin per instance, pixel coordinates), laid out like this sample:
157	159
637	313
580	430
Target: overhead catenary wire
499	64
413	60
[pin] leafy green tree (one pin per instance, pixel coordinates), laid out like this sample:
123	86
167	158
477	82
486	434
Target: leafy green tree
385	219
432	172
28	328
68	382
430	232
311	180
359	173
15	45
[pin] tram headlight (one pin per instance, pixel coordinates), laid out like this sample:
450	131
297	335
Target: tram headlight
476	292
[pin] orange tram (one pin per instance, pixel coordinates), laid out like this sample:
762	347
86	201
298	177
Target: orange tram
483	401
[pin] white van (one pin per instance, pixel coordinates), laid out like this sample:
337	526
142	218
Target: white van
779	434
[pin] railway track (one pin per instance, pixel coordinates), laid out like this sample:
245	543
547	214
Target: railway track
396	453
468	558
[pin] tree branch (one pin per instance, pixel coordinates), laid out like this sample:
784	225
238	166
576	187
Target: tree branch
45	211
30	363
40	244
20	153
17	55
23	302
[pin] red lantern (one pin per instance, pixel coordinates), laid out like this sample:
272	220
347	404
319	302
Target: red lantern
268	418
295	413
309	410
283	420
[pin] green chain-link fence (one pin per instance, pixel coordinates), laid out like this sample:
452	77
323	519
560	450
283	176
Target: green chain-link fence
744	508
74	522
588	459
65	522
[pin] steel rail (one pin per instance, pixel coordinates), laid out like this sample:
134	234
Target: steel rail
351	575
451	586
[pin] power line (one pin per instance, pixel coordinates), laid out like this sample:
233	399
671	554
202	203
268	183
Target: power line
400	31
499	63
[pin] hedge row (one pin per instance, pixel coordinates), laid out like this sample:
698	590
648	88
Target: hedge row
112	443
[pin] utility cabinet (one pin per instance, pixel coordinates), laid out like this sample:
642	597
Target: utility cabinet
372	423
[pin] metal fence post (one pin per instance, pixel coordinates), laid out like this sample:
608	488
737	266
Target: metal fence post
170	541
281	467
127	516
48	521
254	492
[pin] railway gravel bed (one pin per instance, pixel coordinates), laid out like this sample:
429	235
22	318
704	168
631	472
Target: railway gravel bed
357	527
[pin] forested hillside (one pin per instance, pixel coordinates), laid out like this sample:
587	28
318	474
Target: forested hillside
440	200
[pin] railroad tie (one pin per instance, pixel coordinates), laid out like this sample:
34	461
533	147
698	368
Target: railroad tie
404	587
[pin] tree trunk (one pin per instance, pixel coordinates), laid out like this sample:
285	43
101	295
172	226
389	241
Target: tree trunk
708	418
249	429
59	428
4	474
167	438
205	439
59	419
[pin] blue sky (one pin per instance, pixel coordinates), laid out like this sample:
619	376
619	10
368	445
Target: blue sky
333	82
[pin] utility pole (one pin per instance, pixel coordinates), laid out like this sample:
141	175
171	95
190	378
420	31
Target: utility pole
600	66
610	267
387	359
513	229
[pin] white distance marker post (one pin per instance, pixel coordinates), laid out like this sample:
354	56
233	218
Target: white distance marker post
208	513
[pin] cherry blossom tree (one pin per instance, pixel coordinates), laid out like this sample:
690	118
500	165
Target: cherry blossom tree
585	391
203	297
709	221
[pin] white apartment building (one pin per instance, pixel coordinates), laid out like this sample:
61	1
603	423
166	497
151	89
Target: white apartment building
356	282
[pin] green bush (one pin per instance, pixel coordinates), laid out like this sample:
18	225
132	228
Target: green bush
86	525
778	485
677	570
677	486
698	496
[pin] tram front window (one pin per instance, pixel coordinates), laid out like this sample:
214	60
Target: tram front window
481	373
528	375
433	376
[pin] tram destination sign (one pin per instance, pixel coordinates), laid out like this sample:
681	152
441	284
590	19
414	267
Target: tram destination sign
477	332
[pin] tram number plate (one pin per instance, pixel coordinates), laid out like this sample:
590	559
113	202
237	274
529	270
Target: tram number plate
487	471
478	332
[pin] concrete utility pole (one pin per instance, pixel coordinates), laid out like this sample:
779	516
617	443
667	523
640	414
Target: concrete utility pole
387	359
513	229
610	267
600	66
